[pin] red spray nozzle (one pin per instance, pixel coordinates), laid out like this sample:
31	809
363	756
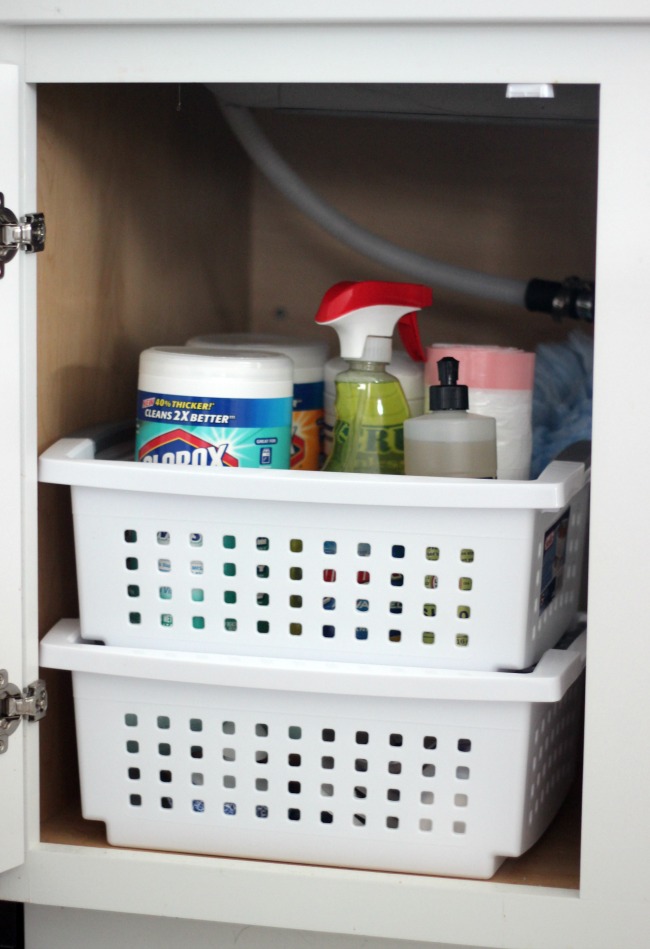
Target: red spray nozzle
366	308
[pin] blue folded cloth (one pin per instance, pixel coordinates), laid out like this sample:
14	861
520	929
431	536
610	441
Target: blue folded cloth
562	397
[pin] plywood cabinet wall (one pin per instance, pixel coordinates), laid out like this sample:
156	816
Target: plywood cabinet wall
509	200
147	203
148	242
158	229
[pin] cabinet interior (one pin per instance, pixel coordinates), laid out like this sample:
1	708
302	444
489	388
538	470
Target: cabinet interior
159	228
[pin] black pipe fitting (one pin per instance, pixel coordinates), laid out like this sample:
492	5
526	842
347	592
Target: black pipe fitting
573	297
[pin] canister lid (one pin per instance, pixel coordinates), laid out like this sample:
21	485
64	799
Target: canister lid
200	363
304	353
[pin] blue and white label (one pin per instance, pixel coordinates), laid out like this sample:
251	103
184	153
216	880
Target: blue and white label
224	433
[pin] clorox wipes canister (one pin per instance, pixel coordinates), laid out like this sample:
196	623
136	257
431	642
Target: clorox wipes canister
308	358
214	408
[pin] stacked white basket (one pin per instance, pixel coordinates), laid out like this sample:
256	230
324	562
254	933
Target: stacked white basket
308	666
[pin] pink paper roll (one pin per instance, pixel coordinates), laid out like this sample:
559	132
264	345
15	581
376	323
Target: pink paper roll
500	382
484	367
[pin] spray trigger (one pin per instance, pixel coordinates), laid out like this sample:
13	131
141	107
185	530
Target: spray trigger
371	309
409	333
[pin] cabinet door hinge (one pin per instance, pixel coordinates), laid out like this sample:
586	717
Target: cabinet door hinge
26	234
16	704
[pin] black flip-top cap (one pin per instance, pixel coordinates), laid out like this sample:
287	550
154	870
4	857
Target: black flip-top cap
448	395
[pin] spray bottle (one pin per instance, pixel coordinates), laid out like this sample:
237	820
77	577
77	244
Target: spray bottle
371	407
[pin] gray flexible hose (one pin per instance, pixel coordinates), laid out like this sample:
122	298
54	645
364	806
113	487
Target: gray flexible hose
416	266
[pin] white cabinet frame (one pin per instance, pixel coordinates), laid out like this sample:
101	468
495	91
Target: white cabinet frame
464	43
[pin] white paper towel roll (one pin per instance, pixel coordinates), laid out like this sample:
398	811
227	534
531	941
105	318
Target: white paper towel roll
500	382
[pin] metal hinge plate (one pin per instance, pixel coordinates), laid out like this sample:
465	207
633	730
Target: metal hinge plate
26	234
17	704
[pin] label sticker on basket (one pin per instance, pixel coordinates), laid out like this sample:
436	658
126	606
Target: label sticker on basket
553	560
216	432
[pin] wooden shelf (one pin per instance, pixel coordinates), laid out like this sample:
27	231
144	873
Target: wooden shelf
554	861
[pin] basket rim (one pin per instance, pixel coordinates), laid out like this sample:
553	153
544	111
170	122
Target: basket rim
64	648
72	461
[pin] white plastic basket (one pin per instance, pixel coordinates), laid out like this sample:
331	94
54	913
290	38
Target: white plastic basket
436	572
416	770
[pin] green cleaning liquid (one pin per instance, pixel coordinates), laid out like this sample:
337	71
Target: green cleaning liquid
371	409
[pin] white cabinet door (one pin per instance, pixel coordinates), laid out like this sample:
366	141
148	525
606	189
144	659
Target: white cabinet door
12	470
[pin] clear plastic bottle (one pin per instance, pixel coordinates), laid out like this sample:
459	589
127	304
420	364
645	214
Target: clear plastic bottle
371	409
370	404
449	441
